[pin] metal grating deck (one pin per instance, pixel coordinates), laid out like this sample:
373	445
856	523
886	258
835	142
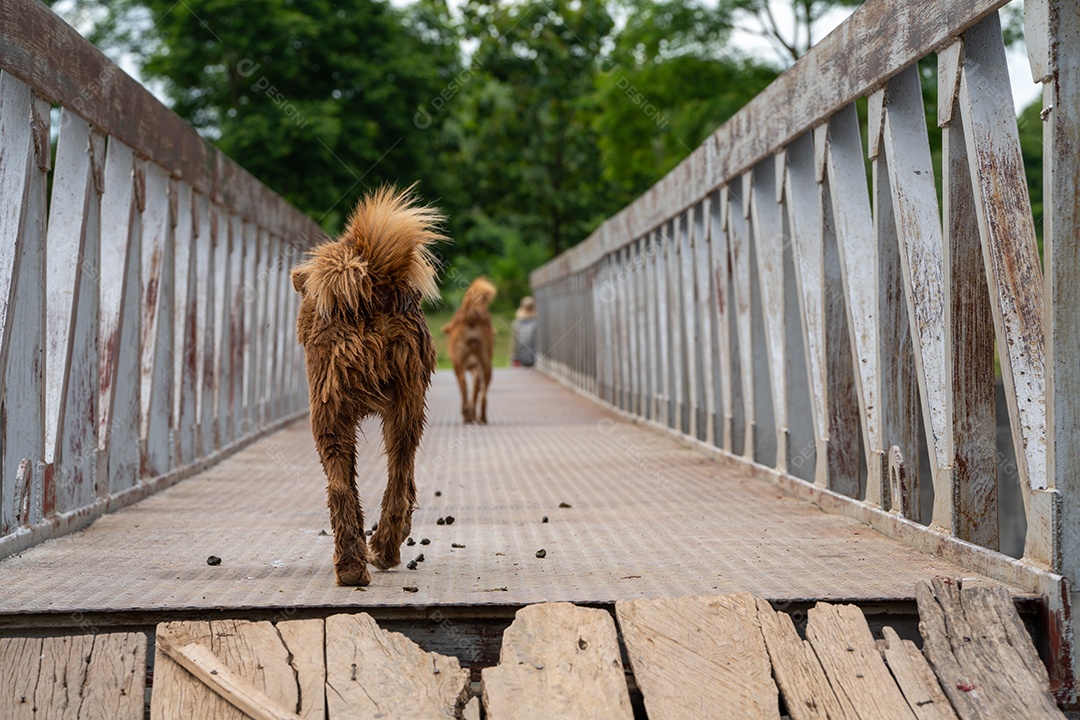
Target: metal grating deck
649	518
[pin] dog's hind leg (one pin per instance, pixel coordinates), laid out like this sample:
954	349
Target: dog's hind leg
335	438
485	374
403	424
477	388
463	385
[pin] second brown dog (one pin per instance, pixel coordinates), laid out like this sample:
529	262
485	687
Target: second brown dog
471	344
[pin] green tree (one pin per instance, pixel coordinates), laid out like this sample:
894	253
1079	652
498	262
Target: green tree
668	83
315	98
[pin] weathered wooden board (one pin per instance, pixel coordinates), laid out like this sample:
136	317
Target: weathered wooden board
916	678
256	651
700	657
91	677
852	662
981	653
374	673
472	710
806	691
558	660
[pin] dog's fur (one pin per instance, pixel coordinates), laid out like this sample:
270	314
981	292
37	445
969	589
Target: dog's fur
471	343
369	351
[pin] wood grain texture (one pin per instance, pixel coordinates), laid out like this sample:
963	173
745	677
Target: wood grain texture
915	678
981	653
305	642
374	673
214	674
83	677
252	650
700	657
558	660
802	682
852	662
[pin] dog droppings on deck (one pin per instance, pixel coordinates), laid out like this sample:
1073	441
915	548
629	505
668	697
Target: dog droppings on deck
456	545
541	553
440	521
410	542
213	560
323	533
438	493
425	541
449	519
565	505
544	519
411	565
411	588
420	557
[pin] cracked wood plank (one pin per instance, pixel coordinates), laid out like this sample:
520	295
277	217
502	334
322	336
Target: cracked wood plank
852	662
799	675
374	673
253	650
304	639
701	657
981	653
80	677
916	678
558	660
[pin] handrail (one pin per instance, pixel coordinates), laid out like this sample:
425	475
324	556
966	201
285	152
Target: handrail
145	310
771	304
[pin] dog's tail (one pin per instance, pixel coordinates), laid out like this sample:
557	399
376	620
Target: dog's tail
386	245
474	305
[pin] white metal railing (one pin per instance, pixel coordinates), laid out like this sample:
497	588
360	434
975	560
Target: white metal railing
768	302
146	317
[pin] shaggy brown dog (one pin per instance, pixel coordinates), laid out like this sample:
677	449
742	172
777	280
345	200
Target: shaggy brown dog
369	351
470	345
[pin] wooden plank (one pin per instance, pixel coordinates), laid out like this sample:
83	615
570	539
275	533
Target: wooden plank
802	682
652	307
691	326
157	322
370	671
254	651
767	220
558	660
739	262
82	677
721	273
700	657
24	164
118	319
897	381
71	371
915	678
213	673
857	673
1058	34
841	390
970	340
183	343
803	200
472	710
663	318
850	212
305	642
674	310
918	228
706	297
981	652
1011	257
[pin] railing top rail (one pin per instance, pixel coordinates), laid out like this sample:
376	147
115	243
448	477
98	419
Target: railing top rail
90	85
879	40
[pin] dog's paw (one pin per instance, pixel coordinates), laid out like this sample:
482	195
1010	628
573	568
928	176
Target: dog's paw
352	573
385	553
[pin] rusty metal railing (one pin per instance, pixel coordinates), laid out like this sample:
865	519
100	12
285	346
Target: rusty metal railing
760	301
146	318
